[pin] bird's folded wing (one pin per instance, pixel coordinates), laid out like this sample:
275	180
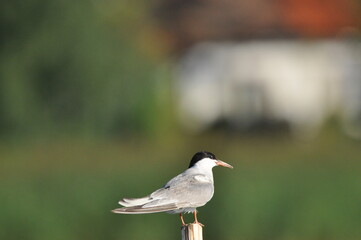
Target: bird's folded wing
143	210
188	180
182	191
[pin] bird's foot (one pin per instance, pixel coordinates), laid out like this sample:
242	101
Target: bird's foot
182	220
196	222
196	219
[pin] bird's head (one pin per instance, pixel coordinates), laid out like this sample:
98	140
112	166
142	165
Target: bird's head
207	159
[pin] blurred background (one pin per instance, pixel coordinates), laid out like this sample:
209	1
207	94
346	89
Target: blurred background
101	100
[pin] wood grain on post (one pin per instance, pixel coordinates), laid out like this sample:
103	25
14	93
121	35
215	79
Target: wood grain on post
192	231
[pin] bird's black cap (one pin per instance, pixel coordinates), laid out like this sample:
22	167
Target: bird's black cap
199	156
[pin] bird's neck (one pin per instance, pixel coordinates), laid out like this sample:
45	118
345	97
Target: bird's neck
206	170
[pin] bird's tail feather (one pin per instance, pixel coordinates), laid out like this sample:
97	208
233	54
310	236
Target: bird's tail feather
131	202
142	210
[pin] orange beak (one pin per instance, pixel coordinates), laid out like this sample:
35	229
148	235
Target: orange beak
223	164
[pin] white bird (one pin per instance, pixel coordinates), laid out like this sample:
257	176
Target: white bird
184	193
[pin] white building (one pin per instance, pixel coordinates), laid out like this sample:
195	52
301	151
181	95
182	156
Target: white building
301	83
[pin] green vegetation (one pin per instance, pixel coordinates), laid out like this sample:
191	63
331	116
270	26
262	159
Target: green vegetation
74	67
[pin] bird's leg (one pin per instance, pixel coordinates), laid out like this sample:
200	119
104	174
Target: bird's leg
181	217
196	219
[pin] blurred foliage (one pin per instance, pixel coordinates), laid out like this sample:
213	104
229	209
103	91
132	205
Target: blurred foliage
279	188
74	67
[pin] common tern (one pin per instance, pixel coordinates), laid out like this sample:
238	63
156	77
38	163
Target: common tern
182	194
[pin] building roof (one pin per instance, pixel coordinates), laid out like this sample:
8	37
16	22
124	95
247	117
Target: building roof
186	22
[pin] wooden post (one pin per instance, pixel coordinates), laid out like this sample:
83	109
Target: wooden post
192	231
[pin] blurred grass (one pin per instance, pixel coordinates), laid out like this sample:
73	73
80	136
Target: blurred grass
279	189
